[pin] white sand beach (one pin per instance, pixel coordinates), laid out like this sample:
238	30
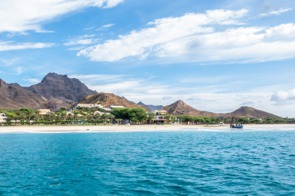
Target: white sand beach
137	128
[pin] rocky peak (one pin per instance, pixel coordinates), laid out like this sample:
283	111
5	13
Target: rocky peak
61	87
250	112
180	103
53	76
181	108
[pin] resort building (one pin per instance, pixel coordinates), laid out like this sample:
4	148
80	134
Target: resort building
98	113
160	112
160	116
2	118
94	105
116	106
44	111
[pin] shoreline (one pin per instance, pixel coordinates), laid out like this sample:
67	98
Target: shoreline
140	128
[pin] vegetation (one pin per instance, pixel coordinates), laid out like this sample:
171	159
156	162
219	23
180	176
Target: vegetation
132	115
97	116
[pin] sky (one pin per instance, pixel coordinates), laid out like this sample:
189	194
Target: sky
215	55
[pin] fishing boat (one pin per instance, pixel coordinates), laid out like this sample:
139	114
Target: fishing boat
236	126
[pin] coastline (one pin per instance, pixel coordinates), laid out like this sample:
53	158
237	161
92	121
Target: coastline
140	128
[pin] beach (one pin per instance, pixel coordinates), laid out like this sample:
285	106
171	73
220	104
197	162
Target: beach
138	128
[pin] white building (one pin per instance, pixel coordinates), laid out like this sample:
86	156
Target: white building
116	106
2	118
98	113
94	105
160	116
160	112
44	111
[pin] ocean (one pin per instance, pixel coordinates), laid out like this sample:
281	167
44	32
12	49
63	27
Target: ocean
149	163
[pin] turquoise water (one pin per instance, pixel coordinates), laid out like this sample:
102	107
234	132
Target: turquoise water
170	163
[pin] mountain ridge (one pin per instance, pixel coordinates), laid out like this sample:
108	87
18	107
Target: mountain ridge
181	108
14	96
107	100
56	91
250	112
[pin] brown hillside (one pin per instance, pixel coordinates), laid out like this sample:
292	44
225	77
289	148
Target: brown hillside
180	108
108	99
251	113
13	96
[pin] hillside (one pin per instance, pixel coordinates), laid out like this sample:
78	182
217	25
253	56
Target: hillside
56	91
108	99
13	96
181	108
250	112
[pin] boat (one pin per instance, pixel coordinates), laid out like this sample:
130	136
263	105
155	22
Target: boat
236	126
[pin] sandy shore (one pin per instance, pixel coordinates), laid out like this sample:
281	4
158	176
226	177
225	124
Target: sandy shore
138	128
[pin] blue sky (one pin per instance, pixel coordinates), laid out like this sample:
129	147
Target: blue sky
215	55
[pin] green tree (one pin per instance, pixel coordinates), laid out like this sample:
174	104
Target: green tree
137	115
121	114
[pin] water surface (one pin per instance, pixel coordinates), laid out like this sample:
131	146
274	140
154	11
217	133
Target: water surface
163	163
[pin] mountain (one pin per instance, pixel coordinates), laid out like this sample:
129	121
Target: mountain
250	112
108	99
60	90
13	96
56	91
181	108
61	87
150	107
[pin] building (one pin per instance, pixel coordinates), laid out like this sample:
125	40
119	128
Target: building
108	109
86	105
160	116
44	111
160	112
116	107
98	113
3	118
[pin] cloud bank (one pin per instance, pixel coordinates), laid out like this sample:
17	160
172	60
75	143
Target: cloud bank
276	12
21	16
9	46
217	35
284	96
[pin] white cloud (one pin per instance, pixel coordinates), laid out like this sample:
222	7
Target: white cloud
283	32
20	16
19	70
9	62
196	38
103	27
79	42
83	40
276	12
99	78
33	81
9	46
121	84
166	30
284	96
243	44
